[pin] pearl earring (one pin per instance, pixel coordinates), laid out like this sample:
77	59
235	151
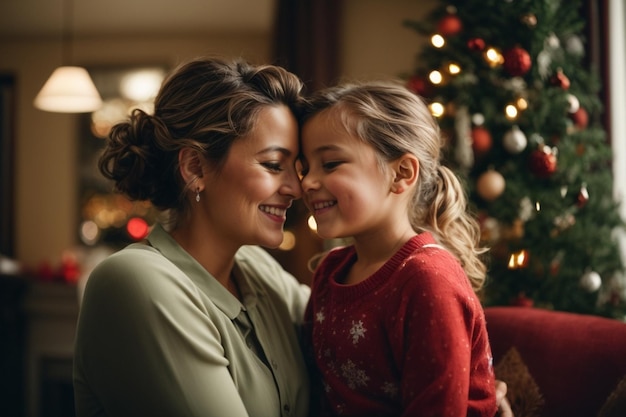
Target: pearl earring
197	195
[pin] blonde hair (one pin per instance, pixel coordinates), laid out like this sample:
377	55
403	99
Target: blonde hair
396	122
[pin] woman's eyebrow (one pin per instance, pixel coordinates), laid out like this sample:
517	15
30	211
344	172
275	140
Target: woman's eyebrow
280	149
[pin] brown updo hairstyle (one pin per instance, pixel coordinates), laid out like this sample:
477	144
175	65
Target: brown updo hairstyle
205	104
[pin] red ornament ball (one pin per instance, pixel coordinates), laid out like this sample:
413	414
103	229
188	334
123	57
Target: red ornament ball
543	162
522	301
481	140
490	185
560	80
517	61
449	25
580	118
476	44
418	85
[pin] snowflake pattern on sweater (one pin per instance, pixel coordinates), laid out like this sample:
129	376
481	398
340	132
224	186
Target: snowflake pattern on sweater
409	340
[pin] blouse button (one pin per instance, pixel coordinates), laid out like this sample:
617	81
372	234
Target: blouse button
274	364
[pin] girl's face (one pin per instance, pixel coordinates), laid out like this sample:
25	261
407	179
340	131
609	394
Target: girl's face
250	195
342	181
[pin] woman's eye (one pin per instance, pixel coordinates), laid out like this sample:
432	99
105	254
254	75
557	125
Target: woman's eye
272	166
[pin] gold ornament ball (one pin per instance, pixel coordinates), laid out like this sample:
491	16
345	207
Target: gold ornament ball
490	185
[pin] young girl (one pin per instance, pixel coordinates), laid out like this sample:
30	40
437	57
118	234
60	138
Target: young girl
394	323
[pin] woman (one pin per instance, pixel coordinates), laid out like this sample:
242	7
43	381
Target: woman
194	322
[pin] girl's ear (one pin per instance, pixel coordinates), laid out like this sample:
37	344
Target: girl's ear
406	172
190	164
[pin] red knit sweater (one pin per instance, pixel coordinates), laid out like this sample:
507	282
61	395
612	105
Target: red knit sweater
408	341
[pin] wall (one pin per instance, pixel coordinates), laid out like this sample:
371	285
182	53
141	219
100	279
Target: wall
374	44
45	160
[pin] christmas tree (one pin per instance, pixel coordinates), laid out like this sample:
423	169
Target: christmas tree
520	111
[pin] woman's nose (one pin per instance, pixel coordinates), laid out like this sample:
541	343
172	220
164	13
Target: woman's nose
292	185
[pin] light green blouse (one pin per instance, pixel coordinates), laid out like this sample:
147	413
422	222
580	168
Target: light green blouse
159	336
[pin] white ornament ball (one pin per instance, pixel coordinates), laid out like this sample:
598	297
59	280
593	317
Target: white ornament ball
573	103
591	281
490	185
574	45
478	119
514	141
553	41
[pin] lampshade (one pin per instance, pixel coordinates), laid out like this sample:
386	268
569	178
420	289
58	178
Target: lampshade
69	90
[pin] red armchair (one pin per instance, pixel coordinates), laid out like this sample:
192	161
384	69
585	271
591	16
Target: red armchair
577	361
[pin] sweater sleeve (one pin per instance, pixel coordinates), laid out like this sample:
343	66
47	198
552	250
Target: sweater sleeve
146	345
446	358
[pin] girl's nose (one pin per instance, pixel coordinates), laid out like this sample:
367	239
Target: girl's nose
308	182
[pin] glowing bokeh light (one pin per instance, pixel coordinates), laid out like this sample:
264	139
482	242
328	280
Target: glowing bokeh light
137	228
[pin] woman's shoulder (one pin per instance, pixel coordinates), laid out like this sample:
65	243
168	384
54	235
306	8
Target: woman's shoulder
138	269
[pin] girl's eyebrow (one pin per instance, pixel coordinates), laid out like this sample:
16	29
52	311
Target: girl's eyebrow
325	148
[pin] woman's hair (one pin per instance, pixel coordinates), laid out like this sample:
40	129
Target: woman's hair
396	122
205	104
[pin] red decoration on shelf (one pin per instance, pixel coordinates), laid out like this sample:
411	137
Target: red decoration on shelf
449	25
543	162
481	140
476	44
517	61
580	118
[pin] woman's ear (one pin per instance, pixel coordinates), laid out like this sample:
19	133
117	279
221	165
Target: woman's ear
190	164
406	172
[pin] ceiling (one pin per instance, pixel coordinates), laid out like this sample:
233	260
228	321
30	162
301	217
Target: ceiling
47	18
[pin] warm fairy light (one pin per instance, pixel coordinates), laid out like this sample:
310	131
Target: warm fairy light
438	41
511	112
521	103
89	232
537	206
436	109
454	68
289	241
435	77
312	224
493	57
518	259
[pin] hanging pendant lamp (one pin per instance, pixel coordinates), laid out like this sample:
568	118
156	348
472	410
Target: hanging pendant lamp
69	89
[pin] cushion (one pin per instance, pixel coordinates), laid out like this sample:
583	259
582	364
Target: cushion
576	360
522	391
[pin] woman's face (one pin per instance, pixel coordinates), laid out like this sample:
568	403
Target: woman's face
248	198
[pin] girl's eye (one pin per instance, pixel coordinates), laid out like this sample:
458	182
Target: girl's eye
272	166
331	165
